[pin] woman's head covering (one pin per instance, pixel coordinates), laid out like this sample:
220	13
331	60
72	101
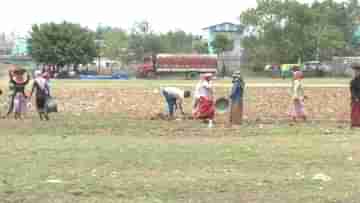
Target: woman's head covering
207	76
40	80
46	75
37	73
236	74
296	68
298	75
16	70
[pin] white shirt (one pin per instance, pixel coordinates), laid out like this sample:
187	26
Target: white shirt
173	91
203	88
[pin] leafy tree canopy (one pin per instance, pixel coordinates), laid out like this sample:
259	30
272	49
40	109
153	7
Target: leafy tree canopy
62	44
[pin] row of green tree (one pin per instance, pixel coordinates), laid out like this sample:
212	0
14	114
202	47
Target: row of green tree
67	43
287	31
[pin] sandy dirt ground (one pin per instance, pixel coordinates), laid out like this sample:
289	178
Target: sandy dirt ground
261	103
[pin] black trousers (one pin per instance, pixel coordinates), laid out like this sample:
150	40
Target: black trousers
41	104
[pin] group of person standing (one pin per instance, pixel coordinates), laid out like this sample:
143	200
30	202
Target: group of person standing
297	108
203	107
19	100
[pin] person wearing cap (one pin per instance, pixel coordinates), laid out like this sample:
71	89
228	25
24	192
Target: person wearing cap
174	98
42	89
203	104
355	96
45	75
297	105
236	97
19	97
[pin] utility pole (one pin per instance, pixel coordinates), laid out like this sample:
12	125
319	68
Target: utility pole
99	63
99	46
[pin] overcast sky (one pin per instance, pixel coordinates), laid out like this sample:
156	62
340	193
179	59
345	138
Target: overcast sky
164	15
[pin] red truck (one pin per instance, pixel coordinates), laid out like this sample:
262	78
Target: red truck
189	64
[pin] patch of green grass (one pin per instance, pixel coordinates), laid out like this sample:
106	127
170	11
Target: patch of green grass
110	158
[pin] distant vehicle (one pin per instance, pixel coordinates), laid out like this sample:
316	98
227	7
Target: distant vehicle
191	65
315	66
311	65
282	67
66	75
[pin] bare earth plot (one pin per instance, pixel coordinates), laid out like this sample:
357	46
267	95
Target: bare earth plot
265	103
103	147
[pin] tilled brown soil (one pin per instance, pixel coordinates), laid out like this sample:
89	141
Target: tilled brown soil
260	103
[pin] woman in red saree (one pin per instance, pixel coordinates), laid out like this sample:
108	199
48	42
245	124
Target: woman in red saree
355	97
203	107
